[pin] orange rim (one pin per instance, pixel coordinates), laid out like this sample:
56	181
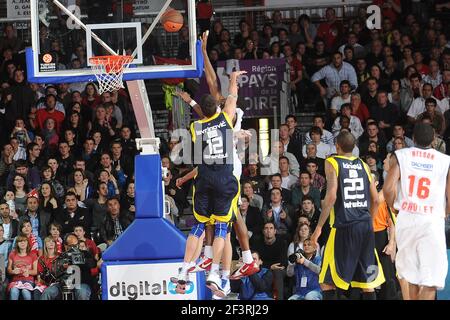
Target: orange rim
111	63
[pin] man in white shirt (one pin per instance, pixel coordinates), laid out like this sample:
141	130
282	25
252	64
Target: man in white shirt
355	124
323	150
287	179
327	136
418	105
343	98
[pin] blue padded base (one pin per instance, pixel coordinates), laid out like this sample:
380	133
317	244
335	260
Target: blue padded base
148	239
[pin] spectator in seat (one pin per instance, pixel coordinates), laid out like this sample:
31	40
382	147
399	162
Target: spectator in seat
306	271
331	30
311	153
22	266
418	105
31	174
310	212
254	199
50	113
277	182
115	222
40	220
19	152
278	212
352	42
50	254
22	95
252	218
273	253
442	90
368	91
89	155
251	174
20	190
372	134
317	181
73	215
437	119
341	99
98	209
47	175
5	249
359	109
354	124
334	74
127	142
323	150
295	135
288	180
257	286
385	113
10	226
303	189
80	232
327	137
35	243
398	132
120	160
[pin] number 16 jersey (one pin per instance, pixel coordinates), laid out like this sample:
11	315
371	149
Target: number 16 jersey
423	179
353	193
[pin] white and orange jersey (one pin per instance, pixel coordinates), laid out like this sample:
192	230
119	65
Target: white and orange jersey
423	181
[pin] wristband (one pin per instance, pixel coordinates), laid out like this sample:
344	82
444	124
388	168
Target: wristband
233	96
193	103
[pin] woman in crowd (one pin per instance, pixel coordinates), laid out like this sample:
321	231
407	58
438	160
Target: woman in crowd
275	50
127	201
110	181
76	123
255	200
51	137
90	96
47	199
22	266
20	189
302	232
81	185
48	175
55	230
45	264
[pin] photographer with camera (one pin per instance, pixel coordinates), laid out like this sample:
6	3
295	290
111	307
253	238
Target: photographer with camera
305	265
81	263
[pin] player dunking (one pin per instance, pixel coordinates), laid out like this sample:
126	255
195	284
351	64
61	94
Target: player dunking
415	187
216	189
351	201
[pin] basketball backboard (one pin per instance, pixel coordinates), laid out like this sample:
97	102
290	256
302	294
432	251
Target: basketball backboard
61	47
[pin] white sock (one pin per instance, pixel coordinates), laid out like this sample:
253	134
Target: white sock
208	252
185	267
225	274
215	267
247	256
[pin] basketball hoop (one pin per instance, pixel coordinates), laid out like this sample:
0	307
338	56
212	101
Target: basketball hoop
109	71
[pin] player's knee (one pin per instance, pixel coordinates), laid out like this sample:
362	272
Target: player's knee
221	229
197	230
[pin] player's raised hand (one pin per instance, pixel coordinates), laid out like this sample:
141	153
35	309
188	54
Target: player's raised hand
237	74
184	95
204	40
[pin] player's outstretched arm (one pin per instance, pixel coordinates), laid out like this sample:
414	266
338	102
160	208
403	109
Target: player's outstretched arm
187	98
210	74
390	184
329	200
186	178
230	104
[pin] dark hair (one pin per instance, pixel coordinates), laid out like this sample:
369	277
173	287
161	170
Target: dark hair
430	100
376	175
208	104
316	130
311	160
305	172
345	82
308	197
70	193
244	196
423	134
290	116
416	75
346	141
284	158
276	175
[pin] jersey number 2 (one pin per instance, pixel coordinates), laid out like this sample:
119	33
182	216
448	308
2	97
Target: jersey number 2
423	184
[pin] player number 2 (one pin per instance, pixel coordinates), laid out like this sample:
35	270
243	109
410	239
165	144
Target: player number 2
423	184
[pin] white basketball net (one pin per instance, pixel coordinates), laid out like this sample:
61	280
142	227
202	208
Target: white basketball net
109	71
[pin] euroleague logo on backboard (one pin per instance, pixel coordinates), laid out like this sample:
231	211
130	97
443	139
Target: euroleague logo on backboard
47	58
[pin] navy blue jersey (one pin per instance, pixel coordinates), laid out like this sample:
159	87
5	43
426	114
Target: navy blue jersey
213	143
353	192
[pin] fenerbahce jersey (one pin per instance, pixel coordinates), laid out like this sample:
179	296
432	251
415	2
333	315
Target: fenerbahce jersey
423	181
213	143
353	193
